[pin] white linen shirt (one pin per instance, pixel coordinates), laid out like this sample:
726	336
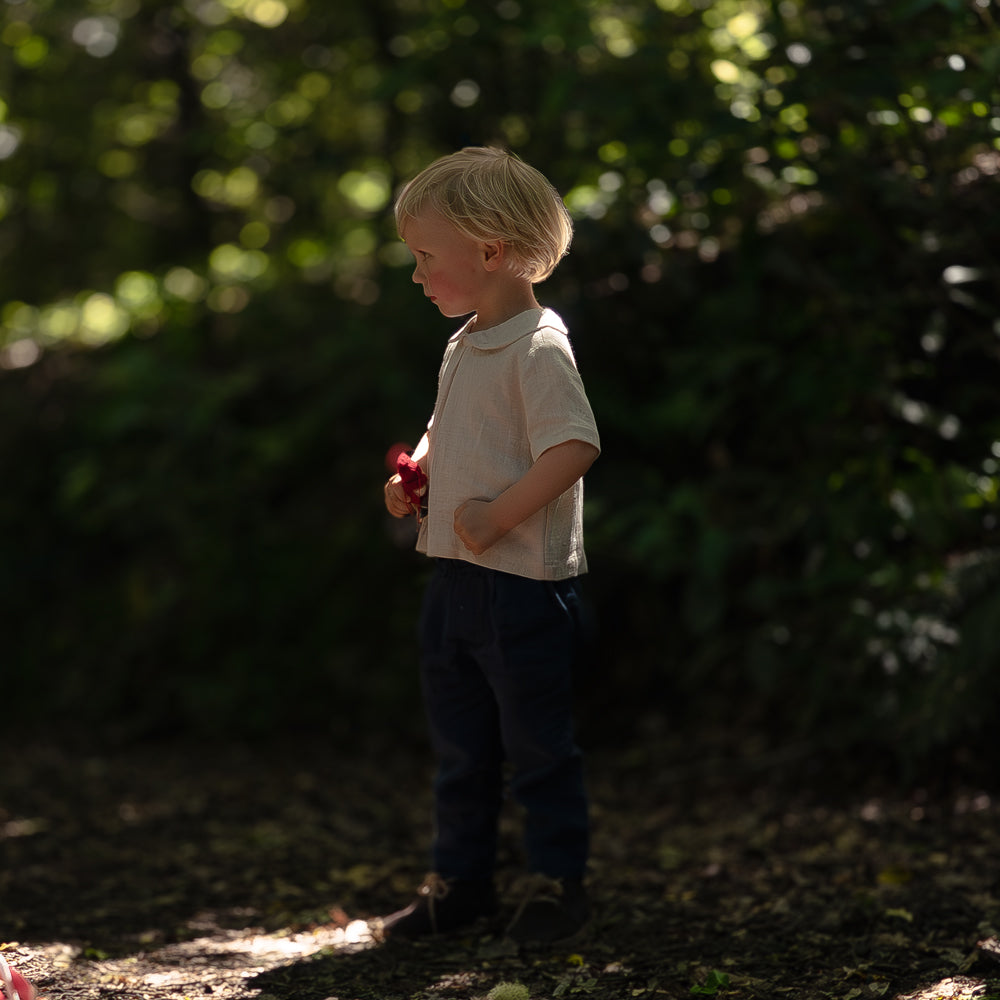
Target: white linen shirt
505	395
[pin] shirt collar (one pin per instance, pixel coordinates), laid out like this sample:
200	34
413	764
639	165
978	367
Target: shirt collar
495	337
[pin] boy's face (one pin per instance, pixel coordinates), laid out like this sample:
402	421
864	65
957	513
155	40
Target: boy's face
449	264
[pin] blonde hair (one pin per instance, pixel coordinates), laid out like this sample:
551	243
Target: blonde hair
493	196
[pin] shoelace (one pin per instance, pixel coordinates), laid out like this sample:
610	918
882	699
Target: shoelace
13	985
533	888
433	888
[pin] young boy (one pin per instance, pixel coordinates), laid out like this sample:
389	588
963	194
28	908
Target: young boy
511	435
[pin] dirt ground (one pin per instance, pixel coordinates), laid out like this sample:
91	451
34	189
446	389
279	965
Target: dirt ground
252	872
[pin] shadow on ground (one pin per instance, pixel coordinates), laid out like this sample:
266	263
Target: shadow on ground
251	871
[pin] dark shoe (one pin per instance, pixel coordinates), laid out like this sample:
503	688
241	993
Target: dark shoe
551	910
443	905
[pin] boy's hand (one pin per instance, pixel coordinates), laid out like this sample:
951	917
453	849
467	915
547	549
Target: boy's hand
395	498
482	523
406	491
476	527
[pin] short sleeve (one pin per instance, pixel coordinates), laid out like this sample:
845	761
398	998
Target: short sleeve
555	404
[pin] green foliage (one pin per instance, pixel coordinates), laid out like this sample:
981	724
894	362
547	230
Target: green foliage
714	982
783	292
509	991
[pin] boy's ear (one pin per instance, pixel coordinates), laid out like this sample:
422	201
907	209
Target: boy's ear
493	255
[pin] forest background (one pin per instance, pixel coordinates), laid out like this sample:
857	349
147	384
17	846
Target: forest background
784	295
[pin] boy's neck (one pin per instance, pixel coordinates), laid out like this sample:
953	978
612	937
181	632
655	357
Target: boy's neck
505	307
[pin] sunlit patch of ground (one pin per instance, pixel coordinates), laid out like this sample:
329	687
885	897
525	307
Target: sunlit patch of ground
956	988
218	964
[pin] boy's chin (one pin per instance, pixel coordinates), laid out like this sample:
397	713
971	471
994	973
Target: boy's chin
453	313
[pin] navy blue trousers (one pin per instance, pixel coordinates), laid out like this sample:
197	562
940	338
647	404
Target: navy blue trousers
497	658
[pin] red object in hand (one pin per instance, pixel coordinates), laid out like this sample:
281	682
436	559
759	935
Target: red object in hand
413	480
393	453
13	985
